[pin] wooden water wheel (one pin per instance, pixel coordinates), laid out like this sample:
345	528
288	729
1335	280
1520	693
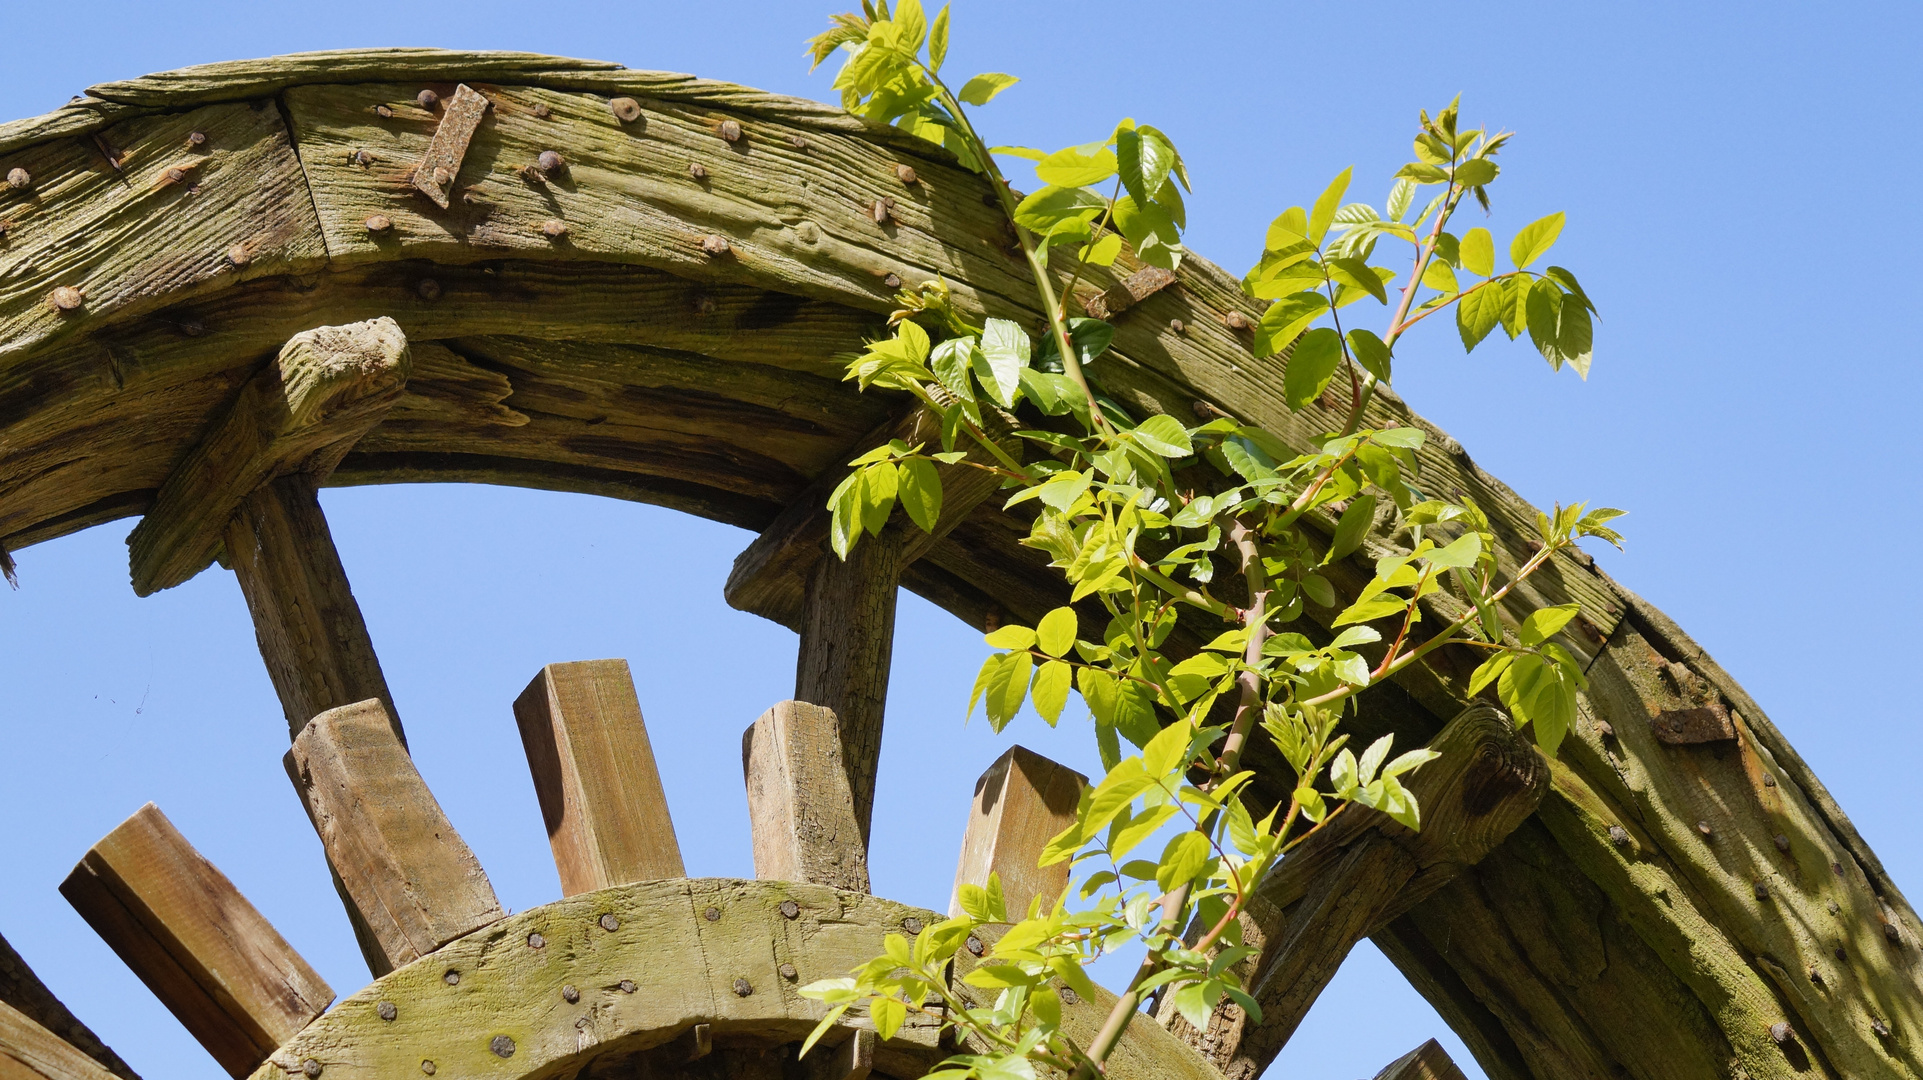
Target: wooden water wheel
223	287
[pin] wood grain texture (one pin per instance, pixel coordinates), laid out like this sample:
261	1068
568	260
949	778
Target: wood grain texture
22	990
209	956
847	643
594	774
326	388
1426	1062
1021	803
408	874
239	80
31	1052
306	621
799	806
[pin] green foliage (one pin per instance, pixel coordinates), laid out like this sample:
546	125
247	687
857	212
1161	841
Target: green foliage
1139	514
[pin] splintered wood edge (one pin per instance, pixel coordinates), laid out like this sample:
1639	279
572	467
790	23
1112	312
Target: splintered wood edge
647	961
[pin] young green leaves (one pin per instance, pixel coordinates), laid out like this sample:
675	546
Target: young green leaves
1128	186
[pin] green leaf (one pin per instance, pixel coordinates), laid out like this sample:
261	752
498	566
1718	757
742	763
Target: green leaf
1056	632
1077	166
879	482
1477	313
1476	172
999	362
1165	436
1104	251
1007	687
1423	173
1131	835
1151	229
1028	152
1186	855
1311	365
1568	282
938	40
1327	204
1575	337
1535	239
1144	157
1042	211
1285	320
1401	194
1477	252
1514	308
1404	762
1370	352
1196	1002
982	89
1352	527
1439	277
1463	552
920	491
1050	689
888	1014
1168	749
1289	228
1545	623
1359	274
1378	607
1013	637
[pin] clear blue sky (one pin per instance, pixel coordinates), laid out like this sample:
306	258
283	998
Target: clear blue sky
1712	160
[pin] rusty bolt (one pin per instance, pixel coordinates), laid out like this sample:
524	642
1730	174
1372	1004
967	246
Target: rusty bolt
1619	836
192	327
554	228
627	986
610	923
1705	828
1070	997
1235	320
742	988
311	1067
906	174
427	1066
1769	780
443	176
386	1011
788	972
536	941
198	138
502	1046
790	909
363	158
893	281
1762	891
378	223
697	171
975	947
729	130
452	978
1882	1030
238	255
1836	868
552	162
65	298
384	112
1178	326
715	246
625	109
713	914
428	289
911	924
428	99
19	179
1834	907
541	112
1891	932
1840	954
797	142
1782	843
570	994
881	210
1779	1031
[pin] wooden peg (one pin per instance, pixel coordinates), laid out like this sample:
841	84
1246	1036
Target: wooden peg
799	804
404	870
594	772
204	951
854	1059
1426	1062
1021	803
31	1052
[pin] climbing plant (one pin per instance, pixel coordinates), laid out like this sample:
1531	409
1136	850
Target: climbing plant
1141	515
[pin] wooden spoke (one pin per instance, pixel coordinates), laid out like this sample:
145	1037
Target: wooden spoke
405	872
301	413
594	773
23	991
798	801
31	1052
204	951
1426	1062
1359	872
845	610
1021	803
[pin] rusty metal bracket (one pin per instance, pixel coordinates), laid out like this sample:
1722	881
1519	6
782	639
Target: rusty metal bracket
434	176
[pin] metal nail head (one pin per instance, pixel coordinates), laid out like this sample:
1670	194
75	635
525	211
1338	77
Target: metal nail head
610	923
881	211
554	228
893	281
384	113
1779	1031
427	1066
1782	843
1619	836
311	1067
715	246
911	924
452	977
428	289
570	994
713	914
1235	320
238	255
1704	828
790	909
386	1011
742	988
729	130
797	142
552	162
502	1046
625	109
975	947
627	986
19	179
427	99
788	972
378	223
696	170
1762	891
536	941
198	138
541	112
1178	326
65	298
907	175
